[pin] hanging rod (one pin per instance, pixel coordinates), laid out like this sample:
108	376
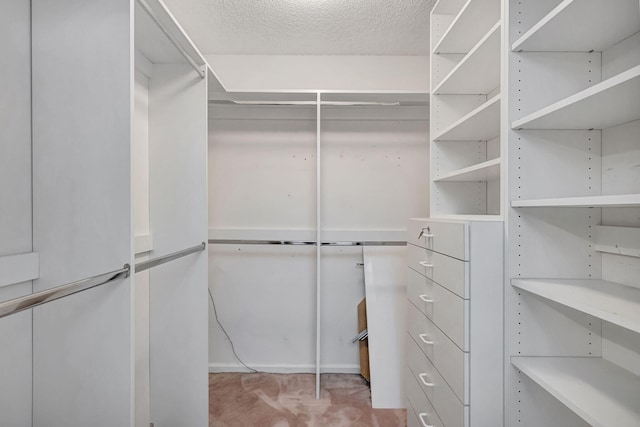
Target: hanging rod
325	103
173	41
29	301
145	265
304	242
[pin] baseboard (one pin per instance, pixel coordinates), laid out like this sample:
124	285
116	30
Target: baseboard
285	369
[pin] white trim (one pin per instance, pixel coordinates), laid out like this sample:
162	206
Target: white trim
143	243
285	369
19	268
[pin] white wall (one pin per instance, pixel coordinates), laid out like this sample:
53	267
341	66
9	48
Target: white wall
330	72
15	206
262	172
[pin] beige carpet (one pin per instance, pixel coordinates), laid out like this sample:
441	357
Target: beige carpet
276	400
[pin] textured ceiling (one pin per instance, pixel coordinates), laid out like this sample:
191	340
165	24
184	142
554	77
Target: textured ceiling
306	27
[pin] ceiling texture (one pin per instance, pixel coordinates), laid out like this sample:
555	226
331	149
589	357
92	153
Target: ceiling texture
306	27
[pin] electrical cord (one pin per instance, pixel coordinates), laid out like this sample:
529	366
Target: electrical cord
233	349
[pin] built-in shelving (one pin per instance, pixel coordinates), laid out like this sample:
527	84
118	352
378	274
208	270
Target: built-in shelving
485	171
481	124
473	20
598	391
606	104
616	303
612	201
600	27
479	71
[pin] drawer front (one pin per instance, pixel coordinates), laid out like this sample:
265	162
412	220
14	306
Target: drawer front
449	272
451	362
451	315
419	406
447	237
420	292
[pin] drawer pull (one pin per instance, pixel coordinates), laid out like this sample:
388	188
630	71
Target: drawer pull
425	382
423	338
425	264
425	298
422	417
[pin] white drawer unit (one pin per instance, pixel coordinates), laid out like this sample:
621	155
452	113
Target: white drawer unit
454	323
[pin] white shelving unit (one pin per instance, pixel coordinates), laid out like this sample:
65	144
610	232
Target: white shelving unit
471	22
485	171
598	391
604	105
482	124
611	201
610	301
466	109
572	307
479	70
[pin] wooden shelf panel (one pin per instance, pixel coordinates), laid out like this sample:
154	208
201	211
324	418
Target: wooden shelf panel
486	171
481	124
606	104
598	391
614	201
479	71
602	23
472	22
609	301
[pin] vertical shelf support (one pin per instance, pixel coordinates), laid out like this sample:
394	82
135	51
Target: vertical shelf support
318	239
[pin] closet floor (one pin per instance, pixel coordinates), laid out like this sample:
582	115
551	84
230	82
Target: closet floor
288	400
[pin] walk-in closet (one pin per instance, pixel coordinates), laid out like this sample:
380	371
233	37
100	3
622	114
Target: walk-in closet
320	213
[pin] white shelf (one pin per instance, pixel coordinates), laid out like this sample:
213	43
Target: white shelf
613	302
615	201
479	71
598	391
481	124
475	17
606	104
486	171
582	26
467	217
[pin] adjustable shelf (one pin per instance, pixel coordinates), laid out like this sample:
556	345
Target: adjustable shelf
613	201
479	71
606	104
486	171
481	124
601	26
598	391
613	302
473	20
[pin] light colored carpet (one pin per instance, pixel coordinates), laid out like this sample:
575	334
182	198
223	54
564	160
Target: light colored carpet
277	400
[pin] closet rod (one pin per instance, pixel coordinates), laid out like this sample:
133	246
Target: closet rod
174	42
29	301
305	242
327	103
145	265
